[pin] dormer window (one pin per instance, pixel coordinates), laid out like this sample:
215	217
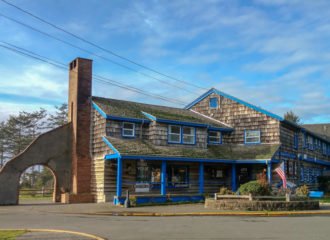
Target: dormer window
188	135
128	129
174	134
215	137
181	134
214	103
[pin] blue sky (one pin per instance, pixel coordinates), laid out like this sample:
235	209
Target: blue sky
274	54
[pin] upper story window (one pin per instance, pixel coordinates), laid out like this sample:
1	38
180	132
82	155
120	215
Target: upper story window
128	129
296	141
181	134
252	136
214	103
188	135
310	142
215	137
324	149
174	134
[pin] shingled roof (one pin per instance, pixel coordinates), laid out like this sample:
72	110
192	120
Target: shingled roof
128	109
322	130
136	147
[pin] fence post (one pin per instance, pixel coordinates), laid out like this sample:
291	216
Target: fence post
288	197
250	197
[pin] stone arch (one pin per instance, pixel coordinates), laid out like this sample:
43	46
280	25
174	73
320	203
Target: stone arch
51	149
56	192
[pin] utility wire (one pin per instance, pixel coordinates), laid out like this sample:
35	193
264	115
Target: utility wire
100	47
94	54
100	79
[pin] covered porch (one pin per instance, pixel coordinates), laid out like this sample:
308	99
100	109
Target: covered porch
163	171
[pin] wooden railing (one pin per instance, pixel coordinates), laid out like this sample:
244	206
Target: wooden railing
44	192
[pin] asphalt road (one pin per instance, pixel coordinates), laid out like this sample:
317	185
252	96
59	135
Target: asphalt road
112	227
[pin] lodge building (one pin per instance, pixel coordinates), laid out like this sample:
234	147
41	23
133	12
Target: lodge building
216	141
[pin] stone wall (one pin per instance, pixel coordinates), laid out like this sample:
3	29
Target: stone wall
246	205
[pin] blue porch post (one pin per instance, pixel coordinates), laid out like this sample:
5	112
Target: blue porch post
269	173
163	179
233	177
201	178
119	176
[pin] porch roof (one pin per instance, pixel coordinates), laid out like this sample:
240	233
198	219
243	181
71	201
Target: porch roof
135	147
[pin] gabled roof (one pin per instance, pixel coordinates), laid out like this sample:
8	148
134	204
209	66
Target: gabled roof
137	147
112	108
249	105
311	129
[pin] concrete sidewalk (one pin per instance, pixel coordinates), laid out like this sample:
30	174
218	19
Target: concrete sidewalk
168	210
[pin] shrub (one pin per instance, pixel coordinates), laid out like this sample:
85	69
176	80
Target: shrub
255	188
132	200
225	191
302	191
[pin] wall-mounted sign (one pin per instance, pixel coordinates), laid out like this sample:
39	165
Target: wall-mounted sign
142	187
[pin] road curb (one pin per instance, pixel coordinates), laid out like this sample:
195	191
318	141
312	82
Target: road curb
56	231
201	214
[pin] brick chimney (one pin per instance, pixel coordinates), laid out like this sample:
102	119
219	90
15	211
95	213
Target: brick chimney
79	114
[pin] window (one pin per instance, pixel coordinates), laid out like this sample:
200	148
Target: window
296	141
174	134
215	137
310	143
324	149
214	102
178	176
182	135
188	135
128	129
252	136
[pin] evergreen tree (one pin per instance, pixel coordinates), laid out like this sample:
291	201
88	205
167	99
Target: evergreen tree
292	117
60	117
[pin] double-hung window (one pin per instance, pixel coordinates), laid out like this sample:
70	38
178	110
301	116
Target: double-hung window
188	135
128	129
296	141
324	149
310	143
181	134
174	134
215	137
252	136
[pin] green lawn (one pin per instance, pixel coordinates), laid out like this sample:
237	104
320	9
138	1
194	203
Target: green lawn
325	199
11	234
35	197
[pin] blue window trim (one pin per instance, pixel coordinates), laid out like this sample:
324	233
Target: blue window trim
212	142
122	130
214	103
181	135
251	143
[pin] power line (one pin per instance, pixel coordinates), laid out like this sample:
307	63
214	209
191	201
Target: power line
94	54
100	79
100	47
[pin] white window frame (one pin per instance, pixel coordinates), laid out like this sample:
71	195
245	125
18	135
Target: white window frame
177	134
246	138
129	129
190	135
215	142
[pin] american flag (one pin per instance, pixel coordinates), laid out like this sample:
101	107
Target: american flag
280	171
